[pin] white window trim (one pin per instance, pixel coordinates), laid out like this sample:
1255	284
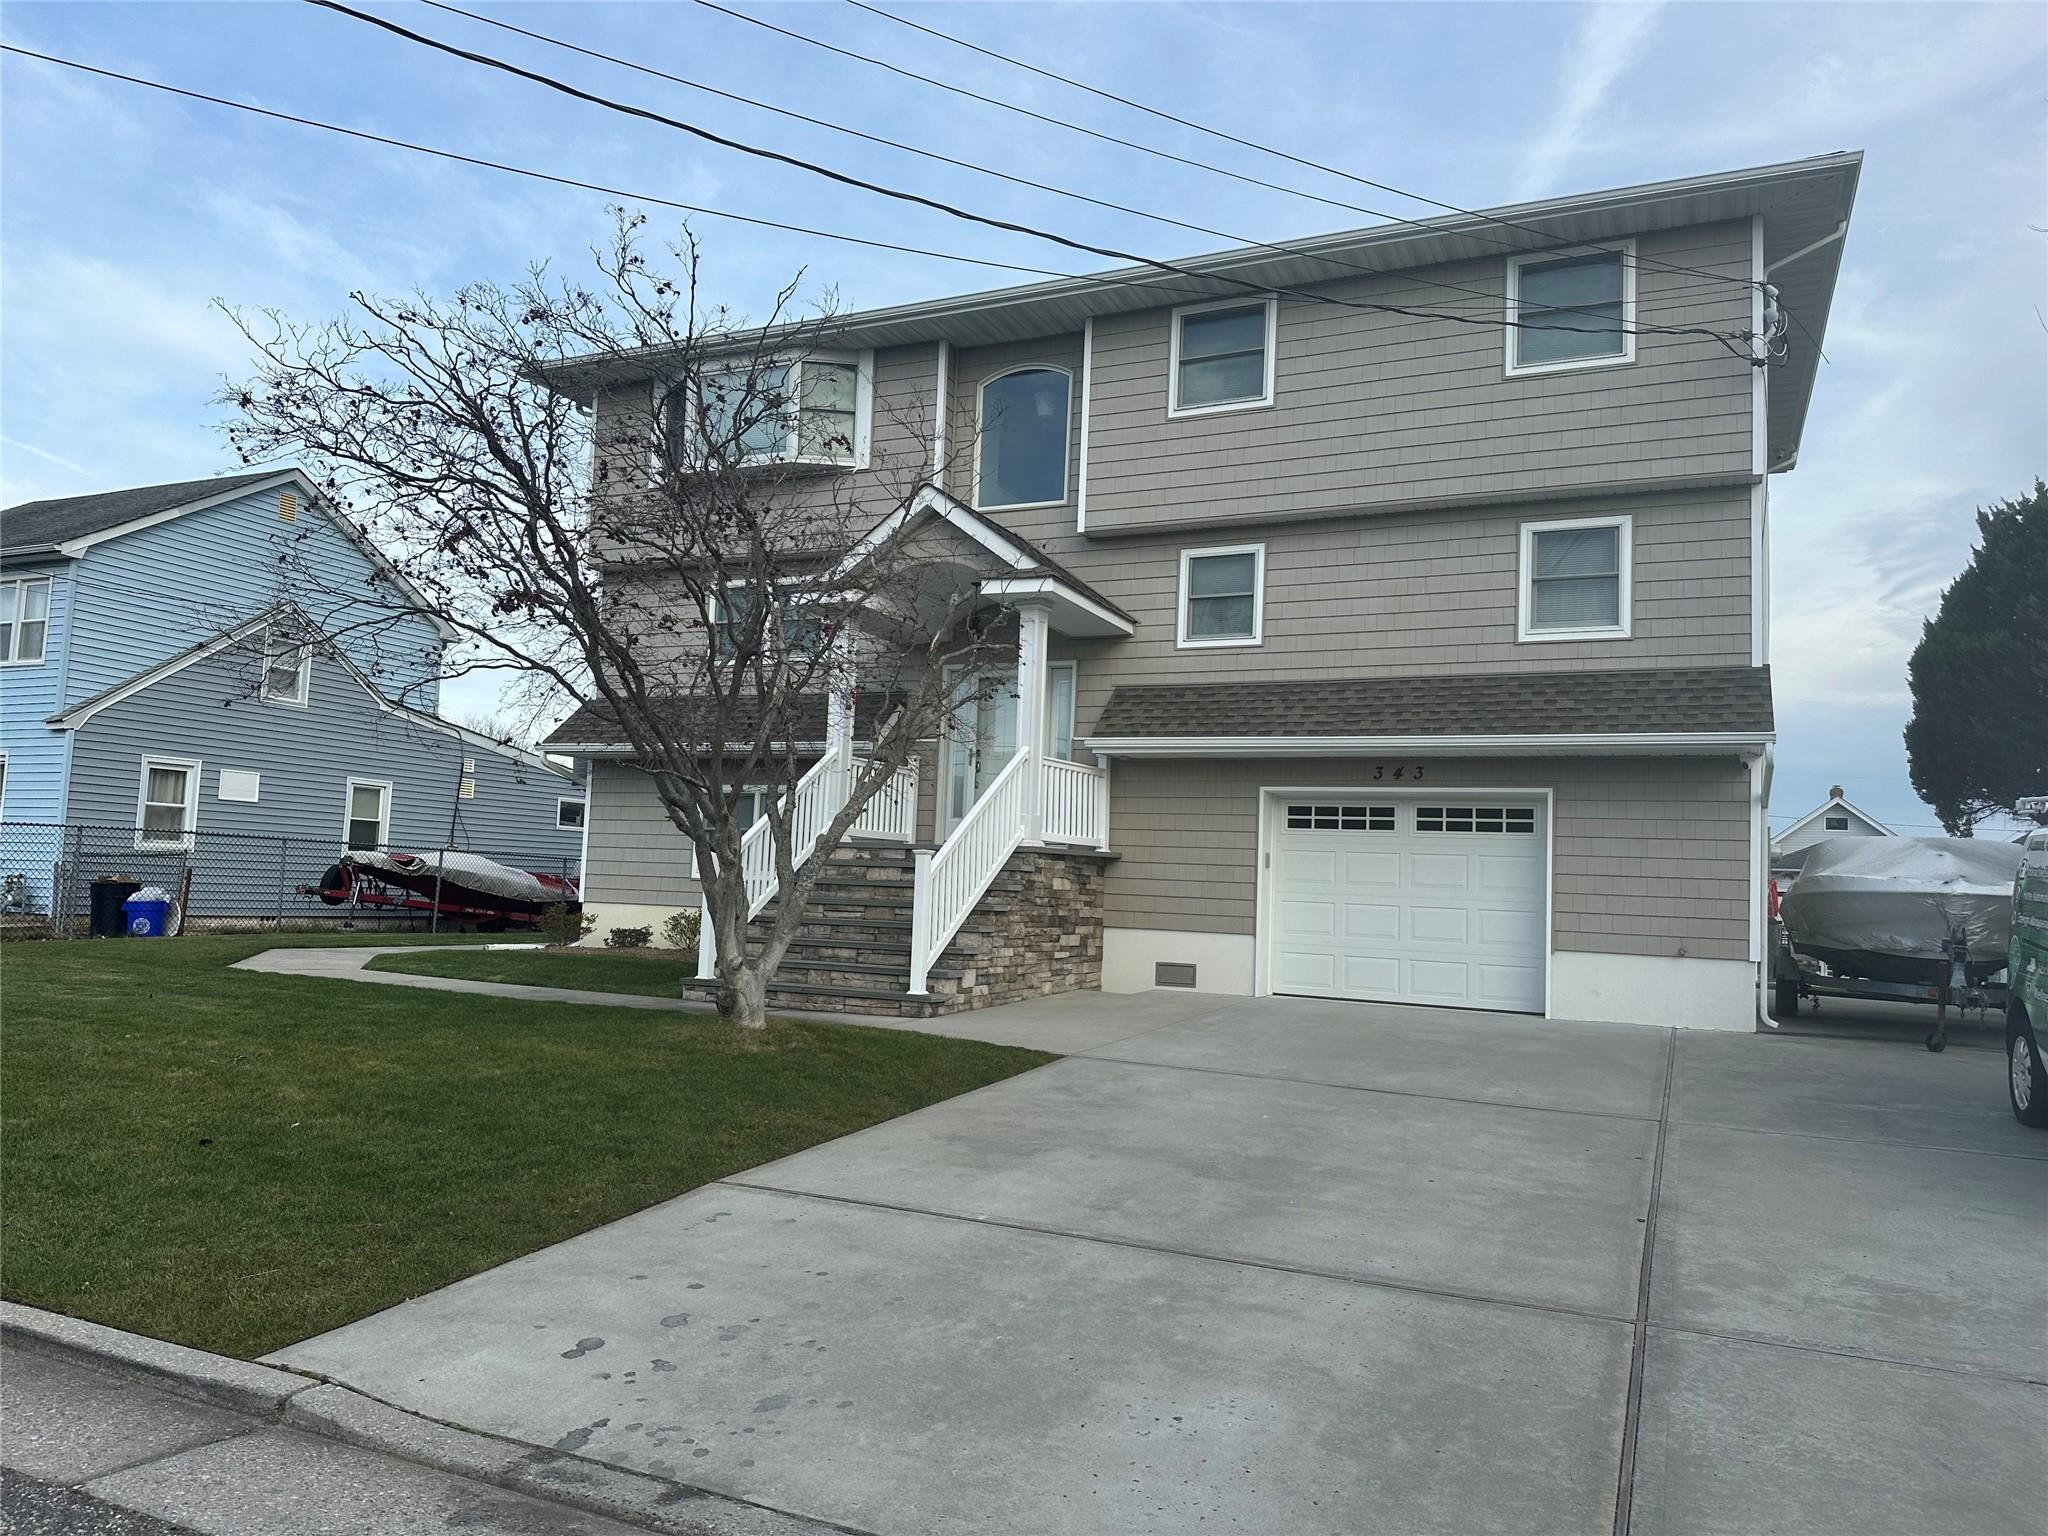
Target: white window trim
190	766
1258	634
562	800
301	697
1175	411
1066	439
863	363
1524	583
3	786
348	796
1509	331
21	584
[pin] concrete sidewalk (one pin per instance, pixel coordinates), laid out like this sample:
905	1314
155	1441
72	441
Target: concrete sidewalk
113	1433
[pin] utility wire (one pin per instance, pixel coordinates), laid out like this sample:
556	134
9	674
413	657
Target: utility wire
519	170
990	221
1010	106
1494	299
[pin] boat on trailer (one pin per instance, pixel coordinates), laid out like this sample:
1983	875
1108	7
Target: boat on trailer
447	883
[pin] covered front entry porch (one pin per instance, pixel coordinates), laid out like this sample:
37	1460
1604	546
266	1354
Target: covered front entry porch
1008	784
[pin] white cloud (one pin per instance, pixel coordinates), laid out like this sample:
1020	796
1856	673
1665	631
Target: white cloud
1610	39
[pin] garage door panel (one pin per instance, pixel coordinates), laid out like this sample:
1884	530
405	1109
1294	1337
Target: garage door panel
1440	925
1378	907
1439	871
1373	921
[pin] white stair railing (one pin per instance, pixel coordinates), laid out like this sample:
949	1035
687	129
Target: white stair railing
818	796
949	882
1074	803
892	815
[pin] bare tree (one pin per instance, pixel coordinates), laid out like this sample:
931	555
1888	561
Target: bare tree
641	502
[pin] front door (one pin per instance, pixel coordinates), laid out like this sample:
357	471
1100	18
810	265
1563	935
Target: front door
982	738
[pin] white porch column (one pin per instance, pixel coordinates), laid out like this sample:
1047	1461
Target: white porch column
844	682
1034	627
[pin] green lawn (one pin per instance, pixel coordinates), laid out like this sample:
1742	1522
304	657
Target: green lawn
593	970
237	1161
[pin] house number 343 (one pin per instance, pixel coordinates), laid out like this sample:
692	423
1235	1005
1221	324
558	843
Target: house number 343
1402	771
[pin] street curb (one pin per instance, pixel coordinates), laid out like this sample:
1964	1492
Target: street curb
238	1384
336	1412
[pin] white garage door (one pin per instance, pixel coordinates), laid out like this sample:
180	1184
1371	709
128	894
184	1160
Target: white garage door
1409	901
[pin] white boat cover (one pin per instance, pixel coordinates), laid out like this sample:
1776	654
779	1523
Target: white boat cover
468	871
1903	895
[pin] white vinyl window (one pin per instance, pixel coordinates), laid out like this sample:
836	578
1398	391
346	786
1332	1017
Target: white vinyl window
287	667
24	621
1222	596
799	629
1575	579
1222	357
1021	439
810	410
167	803
569	814
368	814
1570	312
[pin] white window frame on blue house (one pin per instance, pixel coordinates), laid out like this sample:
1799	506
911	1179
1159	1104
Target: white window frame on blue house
10	651
189	816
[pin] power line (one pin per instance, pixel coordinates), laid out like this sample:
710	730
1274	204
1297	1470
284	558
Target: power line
1023	181
1148	149
519	170
988	220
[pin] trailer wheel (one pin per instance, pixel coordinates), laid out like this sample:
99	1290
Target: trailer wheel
2026	1078
1788	998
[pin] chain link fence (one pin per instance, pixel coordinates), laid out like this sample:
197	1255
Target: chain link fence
237	882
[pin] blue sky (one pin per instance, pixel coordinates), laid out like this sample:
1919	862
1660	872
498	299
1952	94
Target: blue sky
126	213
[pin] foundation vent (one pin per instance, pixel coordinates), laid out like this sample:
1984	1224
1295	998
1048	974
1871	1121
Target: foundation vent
1172	973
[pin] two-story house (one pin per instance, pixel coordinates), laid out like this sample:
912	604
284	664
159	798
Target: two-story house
221	661
1392	607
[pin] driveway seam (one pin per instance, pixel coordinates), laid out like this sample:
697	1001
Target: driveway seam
1632	1406
1843	1352
1860	1141
1402	1093
1274	1266
171	1455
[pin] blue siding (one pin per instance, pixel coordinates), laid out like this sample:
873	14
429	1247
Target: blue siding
36	755
306	757
147	595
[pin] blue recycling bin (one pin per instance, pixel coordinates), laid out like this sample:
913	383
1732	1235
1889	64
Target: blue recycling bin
147	919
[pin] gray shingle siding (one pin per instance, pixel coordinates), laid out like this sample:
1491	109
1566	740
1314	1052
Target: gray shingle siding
1652	855
1386	410
306	757
636	854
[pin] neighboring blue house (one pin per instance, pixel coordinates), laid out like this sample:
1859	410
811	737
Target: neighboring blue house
187	662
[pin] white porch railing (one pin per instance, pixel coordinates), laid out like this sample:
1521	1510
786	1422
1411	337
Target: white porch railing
950	881
818	796
1074	803
892	815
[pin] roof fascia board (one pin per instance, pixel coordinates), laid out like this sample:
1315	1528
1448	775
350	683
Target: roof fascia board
1014	587
1576	744
1832	803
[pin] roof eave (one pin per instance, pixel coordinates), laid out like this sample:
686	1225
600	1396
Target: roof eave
1548	744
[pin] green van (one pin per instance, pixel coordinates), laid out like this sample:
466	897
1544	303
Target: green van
2026	1009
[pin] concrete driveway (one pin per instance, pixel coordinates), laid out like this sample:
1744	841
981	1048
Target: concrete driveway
1285	1266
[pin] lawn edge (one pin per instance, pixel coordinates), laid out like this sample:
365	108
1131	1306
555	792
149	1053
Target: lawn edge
336	1411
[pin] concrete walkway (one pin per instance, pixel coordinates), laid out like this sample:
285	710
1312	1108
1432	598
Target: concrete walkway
1317	1268
1065	1024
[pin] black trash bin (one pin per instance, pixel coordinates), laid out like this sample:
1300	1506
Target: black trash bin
108	892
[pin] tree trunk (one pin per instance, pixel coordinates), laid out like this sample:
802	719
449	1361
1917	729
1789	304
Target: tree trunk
743	1001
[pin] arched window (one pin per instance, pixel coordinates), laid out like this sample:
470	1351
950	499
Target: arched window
1021	452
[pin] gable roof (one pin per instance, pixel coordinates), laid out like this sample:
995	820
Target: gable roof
70	525
1832	804
1660	708
60	520
1804	204
76	716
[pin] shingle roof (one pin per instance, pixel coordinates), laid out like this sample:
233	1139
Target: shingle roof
1687	700
37	523
594	725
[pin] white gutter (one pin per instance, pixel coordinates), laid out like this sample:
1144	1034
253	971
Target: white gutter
1841	229
1553	744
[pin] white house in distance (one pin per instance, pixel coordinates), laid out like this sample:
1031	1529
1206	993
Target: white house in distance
1834	817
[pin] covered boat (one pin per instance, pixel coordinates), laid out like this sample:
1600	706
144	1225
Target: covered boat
454	883
1883	908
